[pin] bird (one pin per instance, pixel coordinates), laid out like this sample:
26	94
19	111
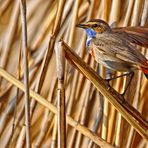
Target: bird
114	48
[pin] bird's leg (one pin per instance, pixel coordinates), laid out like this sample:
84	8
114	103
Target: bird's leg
126	74
128	84
116	77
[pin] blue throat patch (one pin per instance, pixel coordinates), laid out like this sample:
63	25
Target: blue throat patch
90	35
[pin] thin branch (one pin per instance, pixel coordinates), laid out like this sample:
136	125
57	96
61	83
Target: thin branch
26	71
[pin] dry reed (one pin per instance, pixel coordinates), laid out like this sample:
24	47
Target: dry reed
91	118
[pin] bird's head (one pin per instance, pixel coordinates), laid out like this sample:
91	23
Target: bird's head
95	26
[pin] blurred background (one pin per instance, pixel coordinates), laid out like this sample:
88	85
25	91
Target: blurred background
83	102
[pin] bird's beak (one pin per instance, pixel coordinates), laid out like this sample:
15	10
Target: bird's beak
82	26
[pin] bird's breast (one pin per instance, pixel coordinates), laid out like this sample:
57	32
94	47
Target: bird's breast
92	52
90	48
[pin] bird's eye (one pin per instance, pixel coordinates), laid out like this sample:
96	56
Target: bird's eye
94	25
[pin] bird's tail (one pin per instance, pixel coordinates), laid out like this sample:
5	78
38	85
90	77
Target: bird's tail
145	71
146	76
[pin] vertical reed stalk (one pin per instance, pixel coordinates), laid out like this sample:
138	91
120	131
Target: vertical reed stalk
54	135
11	34
26	71
60	60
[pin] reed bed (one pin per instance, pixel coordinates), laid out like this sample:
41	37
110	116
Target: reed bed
52	92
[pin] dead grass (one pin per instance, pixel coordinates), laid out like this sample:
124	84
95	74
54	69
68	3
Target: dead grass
90	118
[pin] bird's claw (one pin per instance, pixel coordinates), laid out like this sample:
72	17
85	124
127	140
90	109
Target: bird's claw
122	97
108	79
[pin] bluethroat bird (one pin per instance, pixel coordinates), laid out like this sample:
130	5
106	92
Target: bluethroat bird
114	48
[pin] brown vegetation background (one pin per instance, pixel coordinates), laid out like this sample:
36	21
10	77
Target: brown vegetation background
84	104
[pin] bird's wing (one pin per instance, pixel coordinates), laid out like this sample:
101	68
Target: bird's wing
136	35
114	46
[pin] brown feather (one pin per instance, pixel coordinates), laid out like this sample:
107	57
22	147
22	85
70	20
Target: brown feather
136	35
118	51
